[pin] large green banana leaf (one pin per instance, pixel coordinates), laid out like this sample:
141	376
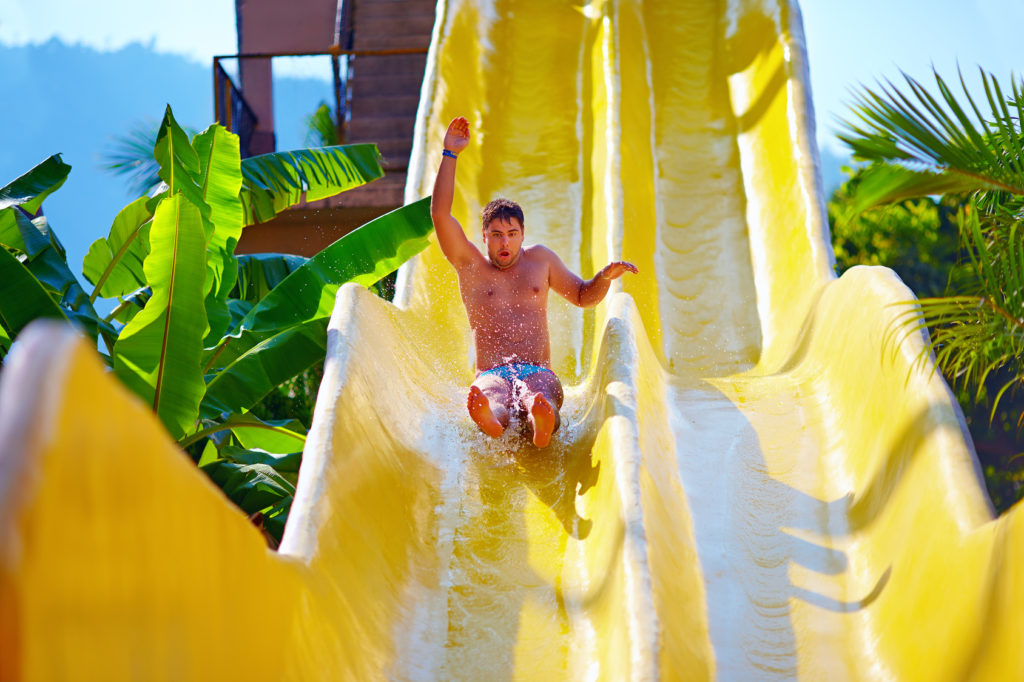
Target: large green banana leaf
206	172
45	258
47	261
363	256
275	435
287	328
220	180
253	487
283	436
278	357
179	166
29	190
284	463
259	273
23	298
10	236
114	263
273	182
159	351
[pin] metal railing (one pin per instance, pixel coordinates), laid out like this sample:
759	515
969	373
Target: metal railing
230	108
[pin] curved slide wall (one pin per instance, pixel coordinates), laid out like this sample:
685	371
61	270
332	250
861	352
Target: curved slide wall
752	481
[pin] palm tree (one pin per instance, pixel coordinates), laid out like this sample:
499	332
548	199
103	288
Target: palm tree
919	145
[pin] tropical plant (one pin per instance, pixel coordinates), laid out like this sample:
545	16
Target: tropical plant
322	129
923	144
131	155
200	335
918	238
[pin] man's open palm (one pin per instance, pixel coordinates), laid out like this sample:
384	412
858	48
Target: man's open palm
618	269
457	137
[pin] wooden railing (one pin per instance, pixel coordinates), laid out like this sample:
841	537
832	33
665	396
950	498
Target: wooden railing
234	113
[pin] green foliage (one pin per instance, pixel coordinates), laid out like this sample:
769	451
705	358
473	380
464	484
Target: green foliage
273	182
29	190
157	353
277	357
35	280
922	144
932	138
322	130
131	155
296	397
975	328
361	256
254	481
915	237
919	239
23	298
200	335
114	264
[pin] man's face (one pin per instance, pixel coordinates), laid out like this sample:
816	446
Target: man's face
504	239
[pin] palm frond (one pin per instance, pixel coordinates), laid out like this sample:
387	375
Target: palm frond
938	136
980	332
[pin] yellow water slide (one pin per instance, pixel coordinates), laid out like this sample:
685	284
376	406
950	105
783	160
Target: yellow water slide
753	481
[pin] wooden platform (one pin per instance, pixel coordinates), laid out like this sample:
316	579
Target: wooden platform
384	93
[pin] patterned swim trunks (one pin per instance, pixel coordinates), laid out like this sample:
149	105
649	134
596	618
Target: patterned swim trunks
514	370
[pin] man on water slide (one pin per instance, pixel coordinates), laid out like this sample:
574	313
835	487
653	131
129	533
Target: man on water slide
505	291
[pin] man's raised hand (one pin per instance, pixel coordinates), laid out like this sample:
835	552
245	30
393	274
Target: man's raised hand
457	136
616	270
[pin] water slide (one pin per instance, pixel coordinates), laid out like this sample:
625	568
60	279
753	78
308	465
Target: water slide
755	479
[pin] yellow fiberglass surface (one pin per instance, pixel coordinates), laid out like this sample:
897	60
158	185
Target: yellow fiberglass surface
755	478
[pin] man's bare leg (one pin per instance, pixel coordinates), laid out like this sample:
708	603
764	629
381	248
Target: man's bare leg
488	402
542	404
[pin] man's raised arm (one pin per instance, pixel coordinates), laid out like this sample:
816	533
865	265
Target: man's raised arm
456	248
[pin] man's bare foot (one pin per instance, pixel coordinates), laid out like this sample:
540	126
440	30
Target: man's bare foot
480	411
542	419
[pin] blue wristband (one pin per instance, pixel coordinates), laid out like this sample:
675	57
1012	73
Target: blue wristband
448	152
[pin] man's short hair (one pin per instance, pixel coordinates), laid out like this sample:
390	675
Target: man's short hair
501	209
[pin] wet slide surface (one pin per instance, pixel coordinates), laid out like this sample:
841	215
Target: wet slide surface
752	480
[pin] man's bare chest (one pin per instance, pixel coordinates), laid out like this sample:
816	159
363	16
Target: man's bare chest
499	291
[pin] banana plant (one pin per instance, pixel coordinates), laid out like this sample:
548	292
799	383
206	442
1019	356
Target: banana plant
200	335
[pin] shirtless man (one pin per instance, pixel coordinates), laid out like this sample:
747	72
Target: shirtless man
505	291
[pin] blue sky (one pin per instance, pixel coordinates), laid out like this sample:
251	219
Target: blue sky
85	72
197	29
850	43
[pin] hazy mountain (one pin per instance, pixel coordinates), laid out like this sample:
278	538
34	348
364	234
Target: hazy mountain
72	100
